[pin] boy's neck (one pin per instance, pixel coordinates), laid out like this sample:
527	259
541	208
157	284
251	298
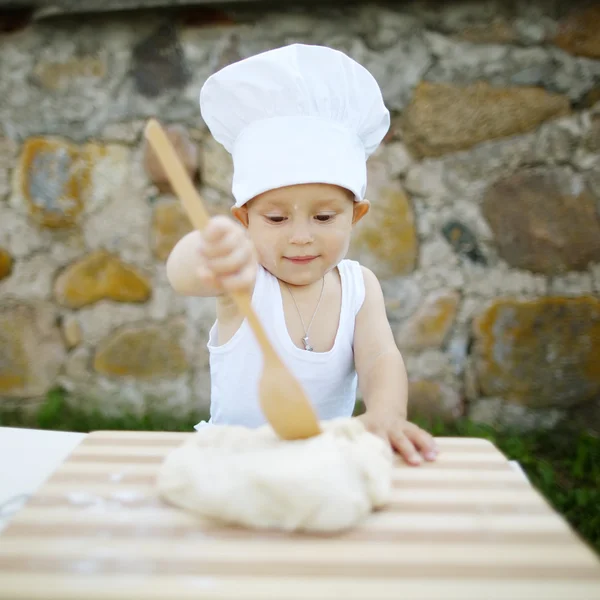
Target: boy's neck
307	288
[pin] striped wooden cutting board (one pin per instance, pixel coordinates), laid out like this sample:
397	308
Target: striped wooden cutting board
465	527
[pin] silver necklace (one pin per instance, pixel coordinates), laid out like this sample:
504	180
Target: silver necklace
305	340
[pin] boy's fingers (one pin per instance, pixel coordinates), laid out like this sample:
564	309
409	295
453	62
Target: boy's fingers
240	281
405	448
423	441
221	235
218	226
231	263
207	277
221	246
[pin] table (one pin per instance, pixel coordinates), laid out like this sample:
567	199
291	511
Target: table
29	456
467	527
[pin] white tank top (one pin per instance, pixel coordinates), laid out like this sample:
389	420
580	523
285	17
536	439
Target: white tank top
329	378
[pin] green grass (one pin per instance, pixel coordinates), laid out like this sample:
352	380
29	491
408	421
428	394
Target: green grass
59	414
563	464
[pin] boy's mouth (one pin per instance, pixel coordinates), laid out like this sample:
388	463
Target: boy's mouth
301	260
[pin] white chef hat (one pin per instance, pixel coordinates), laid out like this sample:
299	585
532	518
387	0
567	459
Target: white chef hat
297	114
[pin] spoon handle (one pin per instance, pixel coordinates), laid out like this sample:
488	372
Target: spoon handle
199	217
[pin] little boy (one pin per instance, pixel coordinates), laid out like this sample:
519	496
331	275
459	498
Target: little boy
300	122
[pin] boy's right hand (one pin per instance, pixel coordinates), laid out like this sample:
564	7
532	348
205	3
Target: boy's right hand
228	257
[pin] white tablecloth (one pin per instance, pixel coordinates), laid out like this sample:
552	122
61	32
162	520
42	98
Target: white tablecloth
27	458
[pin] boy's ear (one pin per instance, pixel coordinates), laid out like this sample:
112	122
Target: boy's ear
240	213
361	208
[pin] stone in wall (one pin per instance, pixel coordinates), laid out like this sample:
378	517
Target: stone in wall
31	350
6	263
426	180
544	220
385	240
217	166
7	152
71	332
31	277
143	351
54	180
429	326
496	31
579	33
500	414
169	224
462	63
390	161
75	73
158	62
396	158
185	148
402	296
539	353
100	276
444	118
591	98
469	172
128	132
571	284
591	140
463	241
4	180
431	401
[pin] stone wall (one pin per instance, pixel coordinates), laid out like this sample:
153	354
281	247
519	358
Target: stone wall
485	228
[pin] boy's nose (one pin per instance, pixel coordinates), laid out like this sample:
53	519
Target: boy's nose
301	235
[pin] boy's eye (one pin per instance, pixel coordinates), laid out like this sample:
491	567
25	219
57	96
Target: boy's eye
323	218
275	219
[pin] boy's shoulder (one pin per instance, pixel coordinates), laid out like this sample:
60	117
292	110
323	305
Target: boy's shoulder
372	285
369	277
368	292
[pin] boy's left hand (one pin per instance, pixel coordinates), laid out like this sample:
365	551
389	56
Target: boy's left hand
409	440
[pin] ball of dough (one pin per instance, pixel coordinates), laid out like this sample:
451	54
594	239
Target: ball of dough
251	477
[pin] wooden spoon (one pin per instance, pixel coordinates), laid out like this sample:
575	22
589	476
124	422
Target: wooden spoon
282	399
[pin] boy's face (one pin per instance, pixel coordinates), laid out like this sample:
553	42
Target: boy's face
301	231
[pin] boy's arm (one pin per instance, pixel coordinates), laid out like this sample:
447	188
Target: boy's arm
382	377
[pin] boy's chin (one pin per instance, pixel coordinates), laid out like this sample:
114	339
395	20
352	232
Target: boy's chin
300	275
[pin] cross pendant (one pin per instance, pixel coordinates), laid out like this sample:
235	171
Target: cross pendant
307	346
